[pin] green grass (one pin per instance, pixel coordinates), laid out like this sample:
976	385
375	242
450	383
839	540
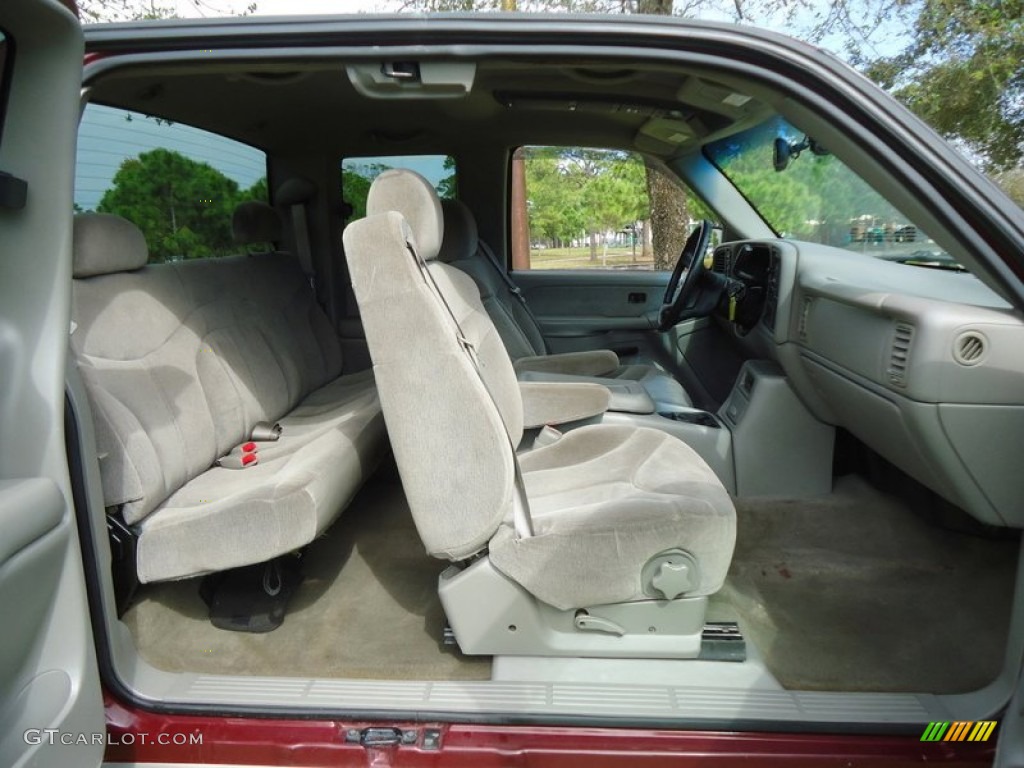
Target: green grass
579	258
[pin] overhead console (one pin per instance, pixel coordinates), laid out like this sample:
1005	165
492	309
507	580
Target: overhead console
408	79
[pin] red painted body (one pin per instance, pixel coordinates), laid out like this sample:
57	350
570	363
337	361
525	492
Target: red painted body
253	741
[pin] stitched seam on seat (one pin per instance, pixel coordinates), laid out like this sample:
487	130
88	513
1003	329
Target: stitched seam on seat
180	443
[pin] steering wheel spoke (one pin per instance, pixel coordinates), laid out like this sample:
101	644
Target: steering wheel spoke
683	287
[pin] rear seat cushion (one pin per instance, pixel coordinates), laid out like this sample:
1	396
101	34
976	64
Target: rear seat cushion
181	360
226	518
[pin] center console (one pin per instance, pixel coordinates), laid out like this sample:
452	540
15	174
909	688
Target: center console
779	447
761	442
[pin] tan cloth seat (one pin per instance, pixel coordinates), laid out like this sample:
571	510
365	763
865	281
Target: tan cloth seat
605	500
180	361
518	328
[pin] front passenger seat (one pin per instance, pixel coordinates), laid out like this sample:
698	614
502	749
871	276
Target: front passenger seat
606	542
518	328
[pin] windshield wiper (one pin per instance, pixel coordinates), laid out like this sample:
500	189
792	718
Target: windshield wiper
931	263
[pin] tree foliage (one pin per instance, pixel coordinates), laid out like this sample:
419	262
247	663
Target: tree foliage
817	198
144	10
964	74
356	179
182	206
579	195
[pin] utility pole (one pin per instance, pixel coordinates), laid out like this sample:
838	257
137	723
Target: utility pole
519	222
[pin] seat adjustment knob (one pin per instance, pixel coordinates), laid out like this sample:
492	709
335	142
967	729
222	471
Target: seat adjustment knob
670	574
673	579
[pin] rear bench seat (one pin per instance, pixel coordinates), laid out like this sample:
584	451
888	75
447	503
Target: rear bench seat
180	361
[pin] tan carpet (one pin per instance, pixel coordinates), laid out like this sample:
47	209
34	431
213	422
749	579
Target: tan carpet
849	591
852	591
367	609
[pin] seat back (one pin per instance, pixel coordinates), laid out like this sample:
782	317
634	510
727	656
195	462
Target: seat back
449	434
462	249
180	360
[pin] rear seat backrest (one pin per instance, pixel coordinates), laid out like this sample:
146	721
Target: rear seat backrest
182	359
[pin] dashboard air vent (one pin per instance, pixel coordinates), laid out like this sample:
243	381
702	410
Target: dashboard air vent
720	261
899	356
805	313
969	348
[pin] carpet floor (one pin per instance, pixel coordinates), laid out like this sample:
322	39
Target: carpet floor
367	609
850	591
854	592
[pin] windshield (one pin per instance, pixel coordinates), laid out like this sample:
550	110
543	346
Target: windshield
804	193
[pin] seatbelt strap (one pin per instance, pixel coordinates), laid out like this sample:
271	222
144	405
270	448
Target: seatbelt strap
509	283
302	247
514	289
521	519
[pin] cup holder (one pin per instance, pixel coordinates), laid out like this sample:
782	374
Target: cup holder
701	418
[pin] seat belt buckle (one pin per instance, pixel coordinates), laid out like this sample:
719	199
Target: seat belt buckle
548	435
265	432
241	456
239	460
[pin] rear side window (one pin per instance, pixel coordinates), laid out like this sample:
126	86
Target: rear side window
177	183
357	173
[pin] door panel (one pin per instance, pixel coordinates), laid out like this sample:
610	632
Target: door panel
587	310
49	686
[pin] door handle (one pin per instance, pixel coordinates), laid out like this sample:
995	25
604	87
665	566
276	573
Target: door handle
637	298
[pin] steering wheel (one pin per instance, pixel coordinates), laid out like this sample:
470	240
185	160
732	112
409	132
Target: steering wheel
682	289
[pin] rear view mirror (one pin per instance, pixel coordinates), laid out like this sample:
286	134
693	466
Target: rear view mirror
784	151
781	155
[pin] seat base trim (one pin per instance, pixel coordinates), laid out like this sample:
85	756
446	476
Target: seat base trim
490	614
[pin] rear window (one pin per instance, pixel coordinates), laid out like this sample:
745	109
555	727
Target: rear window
177	183
357	173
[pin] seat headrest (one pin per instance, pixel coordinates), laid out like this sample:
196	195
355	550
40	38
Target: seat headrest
295	191
460	235
411	195
103	243
255	222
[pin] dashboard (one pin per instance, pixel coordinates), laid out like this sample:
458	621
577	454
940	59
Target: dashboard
922	365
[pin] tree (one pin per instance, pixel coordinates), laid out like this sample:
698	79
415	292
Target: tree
355	185
447	187
182	206
1012	183
964	74
140	10
258	191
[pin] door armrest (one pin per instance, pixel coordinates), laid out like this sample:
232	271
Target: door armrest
597	362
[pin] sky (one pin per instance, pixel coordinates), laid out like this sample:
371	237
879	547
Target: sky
885	39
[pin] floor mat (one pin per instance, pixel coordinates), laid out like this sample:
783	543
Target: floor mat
367	609
853	591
